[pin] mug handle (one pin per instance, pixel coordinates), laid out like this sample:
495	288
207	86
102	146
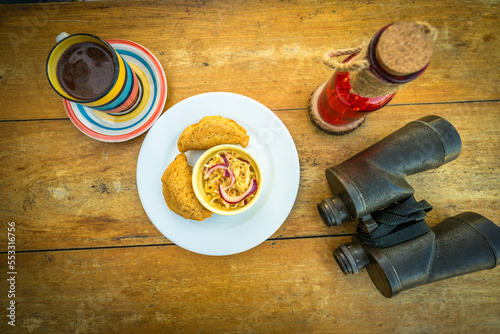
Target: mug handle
61	36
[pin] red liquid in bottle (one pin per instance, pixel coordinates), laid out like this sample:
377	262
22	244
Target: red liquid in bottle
338	105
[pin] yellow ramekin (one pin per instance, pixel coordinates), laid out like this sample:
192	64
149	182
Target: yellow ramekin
198	179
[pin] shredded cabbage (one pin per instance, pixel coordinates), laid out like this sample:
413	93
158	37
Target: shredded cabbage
243	173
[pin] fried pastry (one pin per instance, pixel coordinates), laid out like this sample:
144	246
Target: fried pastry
178	190
212	131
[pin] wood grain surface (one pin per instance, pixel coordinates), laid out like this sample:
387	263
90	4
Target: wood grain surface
88	259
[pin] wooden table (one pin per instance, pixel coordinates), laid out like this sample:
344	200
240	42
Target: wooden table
88	259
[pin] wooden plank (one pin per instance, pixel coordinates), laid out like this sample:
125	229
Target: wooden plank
283	286
268	50
66	190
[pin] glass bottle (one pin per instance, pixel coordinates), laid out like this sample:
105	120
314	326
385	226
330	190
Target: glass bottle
337	104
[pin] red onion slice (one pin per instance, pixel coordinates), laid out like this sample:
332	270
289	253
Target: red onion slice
228	172
236	199
213	168
226	163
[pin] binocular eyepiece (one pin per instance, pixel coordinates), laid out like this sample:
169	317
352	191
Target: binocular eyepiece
394	243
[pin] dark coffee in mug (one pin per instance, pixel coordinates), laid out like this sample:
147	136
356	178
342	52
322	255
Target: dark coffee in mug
86	70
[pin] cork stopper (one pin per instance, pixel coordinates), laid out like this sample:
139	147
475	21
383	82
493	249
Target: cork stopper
405	47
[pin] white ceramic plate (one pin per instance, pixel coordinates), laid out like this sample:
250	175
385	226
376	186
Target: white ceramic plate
270	143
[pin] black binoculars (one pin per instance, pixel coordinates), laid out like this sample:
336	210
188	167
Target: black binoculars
393	242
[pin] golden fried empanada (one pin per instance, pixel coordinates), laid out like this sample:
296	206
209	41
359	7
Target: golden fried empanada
178	190
212	131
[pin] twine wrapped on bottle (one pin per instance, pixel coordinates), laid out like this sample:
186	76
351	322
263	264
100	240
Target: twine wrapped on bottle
396	55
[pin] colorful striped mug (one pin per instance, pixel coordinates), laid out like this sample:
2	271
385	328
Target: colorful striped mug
85	69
